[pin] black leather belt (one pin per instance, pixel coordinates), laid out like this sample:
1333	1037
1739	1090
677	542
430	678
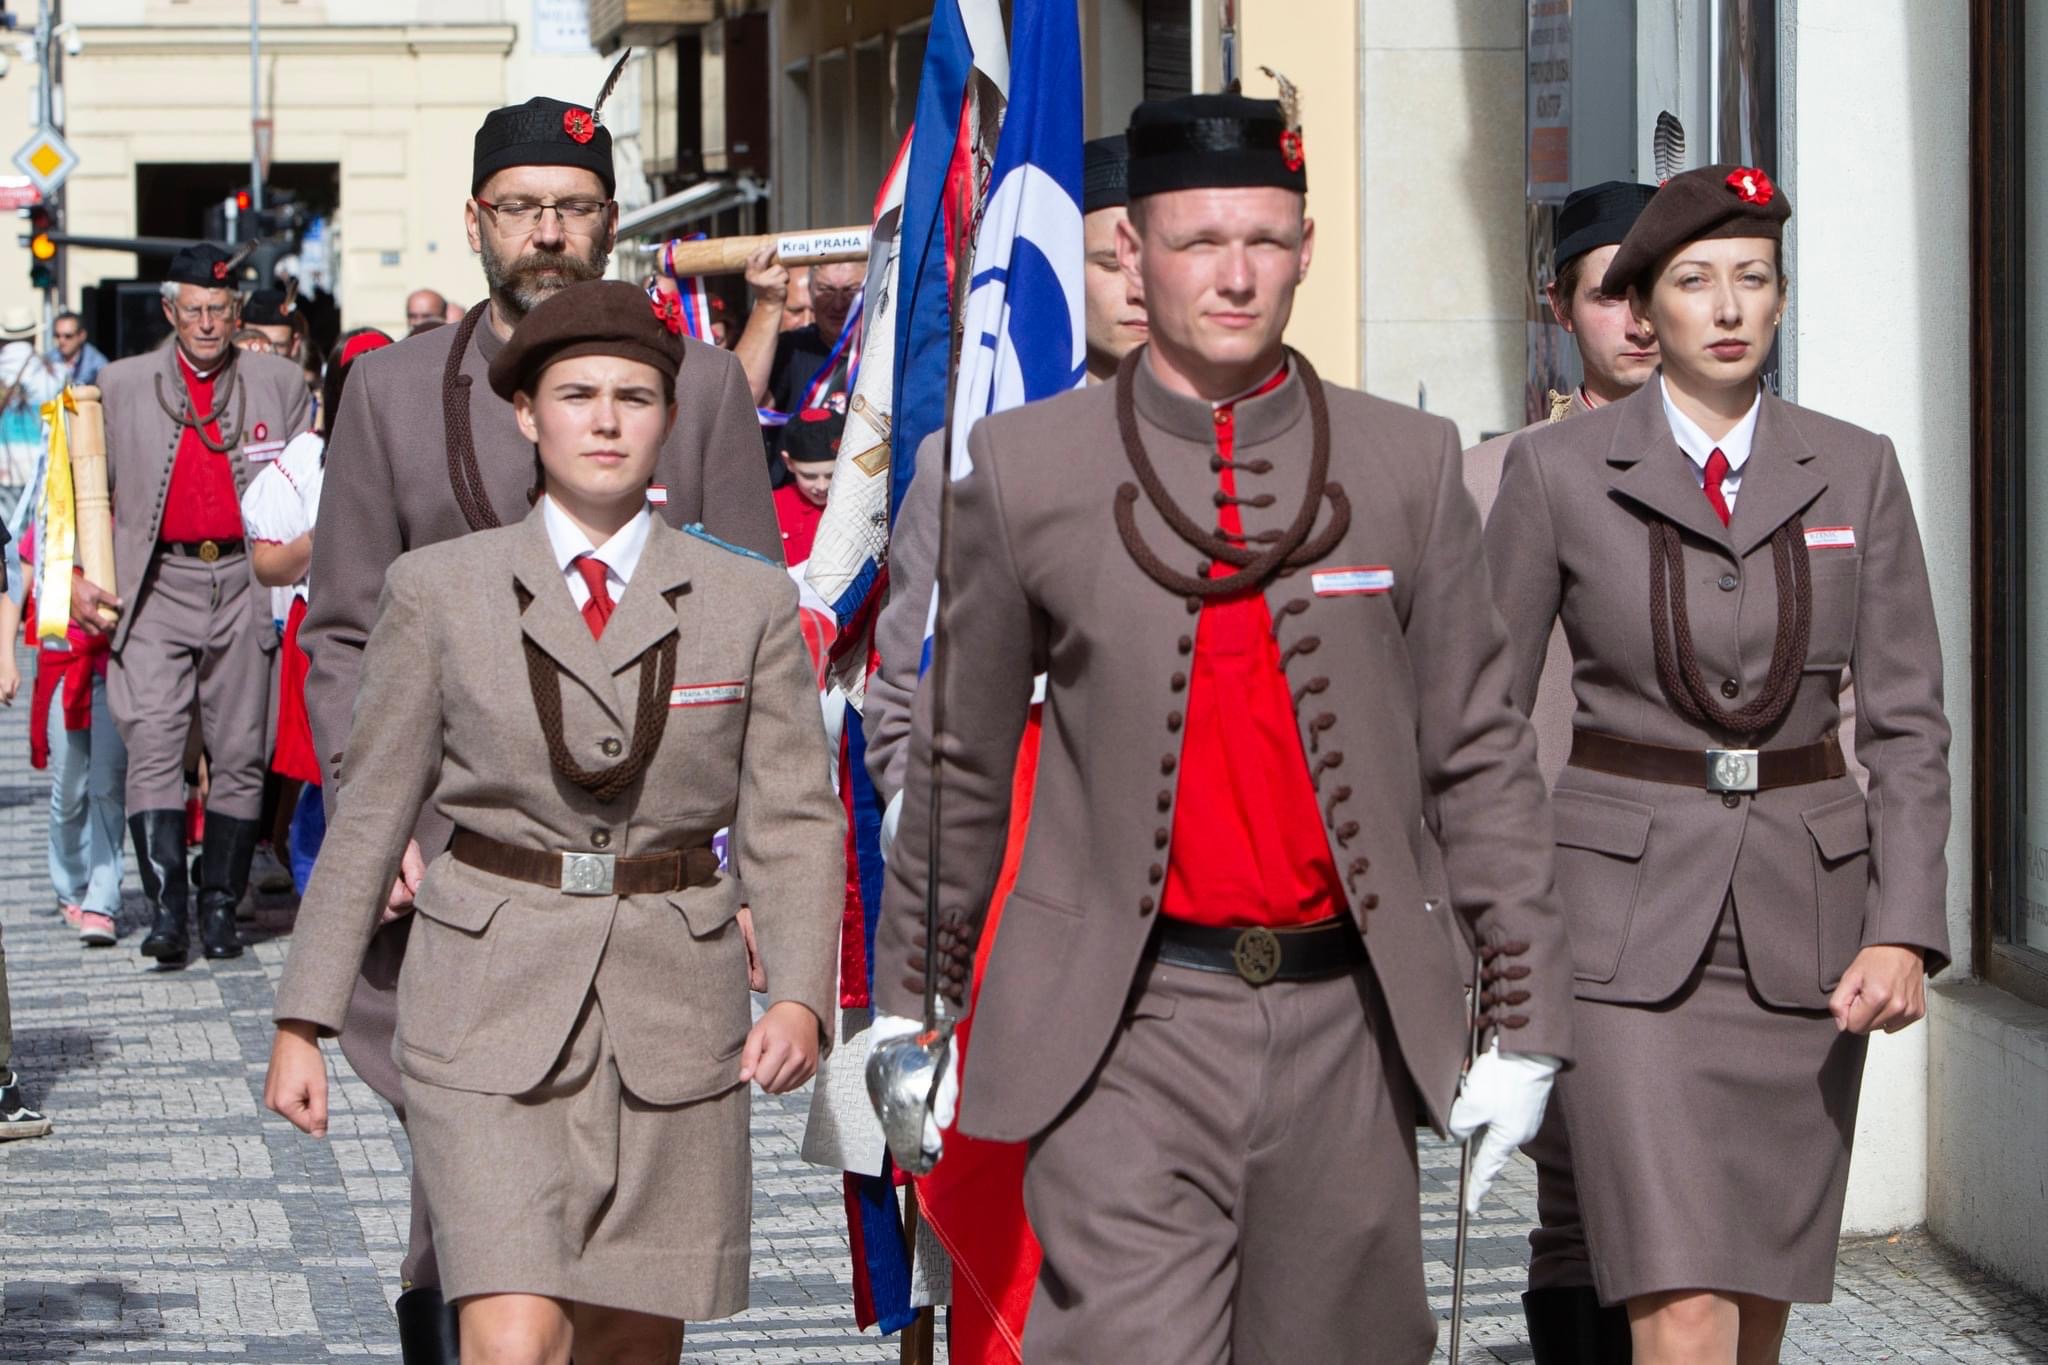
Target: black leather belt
1714	770
1305	952
587	874
206	550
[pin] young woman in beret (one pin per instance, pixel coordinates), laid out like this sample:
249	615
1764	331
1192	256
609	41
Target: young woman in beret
589	695
1742	915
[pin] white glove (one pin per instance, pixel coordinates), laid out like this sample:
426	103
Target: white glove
1504	1093
892	815
946	1098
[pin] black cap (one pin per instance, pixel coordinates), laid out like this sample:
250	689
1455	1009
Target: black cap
1201	142
267	308
812	436
1105	174
203	264
1599	215
542	132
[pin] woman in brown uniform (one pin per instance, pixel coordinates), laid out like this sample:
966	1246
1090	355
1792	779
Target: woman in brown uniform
590	695
1741	915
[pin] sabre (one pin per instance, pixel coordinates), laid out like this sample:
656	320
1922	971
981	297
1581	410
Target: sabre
1464	1177
728	255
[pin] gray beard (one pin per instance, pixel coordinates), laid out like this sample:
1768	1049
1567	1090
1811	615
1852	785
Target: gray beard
518	288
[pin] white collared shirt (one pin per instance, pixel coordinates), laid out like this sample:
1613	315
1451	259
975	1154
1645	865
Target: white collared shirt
1698	446
620	555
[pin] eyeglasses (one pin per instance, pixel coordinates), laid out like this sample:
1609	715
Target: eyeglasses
833	291
218	312
520	216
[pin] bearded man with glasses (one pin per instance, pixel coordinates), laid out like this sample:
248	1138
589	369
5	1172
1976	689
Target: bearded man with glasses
188	425
421	451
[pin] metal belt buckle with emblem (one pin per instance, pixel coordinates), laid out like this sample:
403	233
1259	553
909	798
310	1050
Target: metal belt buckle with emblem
209	550
1257	955
588	874
1731	770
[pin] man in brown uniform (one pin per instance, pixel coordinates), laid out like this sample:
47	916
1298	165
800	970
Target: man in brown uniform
1216	981
188	425
422	451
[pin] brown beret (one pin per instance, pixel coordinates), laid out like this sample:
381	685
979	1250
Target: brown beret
1698	206
596	317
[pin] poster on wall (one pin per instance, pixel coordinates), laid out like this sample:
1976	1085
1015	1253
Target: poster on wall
1549	89
561	28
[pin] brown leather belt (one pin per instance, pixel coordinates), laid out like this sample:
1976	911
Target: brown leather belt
1714	770
205	550
1306	952
587	874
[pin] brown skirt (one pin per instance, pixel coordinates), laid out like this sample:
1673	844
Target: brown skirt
1710	1137
579	1190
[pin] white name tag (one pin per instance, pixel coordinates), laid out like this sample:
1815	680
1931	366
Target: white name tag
657	494
708	694
1347	582
259	451
1831	538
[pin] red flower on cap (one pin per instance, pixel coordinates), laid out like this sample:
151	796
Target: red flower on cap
1290	149
579	124
220	270
669	309
1752	185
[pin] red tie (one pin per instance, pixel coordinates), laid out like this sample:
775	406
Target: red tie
598	609
1717	473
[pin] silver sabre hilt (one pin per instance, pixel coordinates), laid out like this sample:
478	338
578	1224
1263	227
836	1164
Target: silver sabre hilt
903	1081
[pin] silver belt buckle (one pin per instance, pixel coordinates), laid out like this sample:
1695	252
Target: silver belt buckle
588	874
1731	770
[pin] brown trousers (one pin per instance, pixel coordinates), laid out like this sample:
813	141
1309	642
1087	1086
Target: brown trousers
194	639
1237	1183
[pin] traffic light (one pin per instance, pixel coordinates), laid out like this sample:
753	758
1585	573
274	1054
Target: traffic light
42	265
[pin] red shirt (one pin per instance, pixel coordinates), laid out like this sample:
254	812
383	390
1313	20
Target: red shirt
799	517
202	503
1248	841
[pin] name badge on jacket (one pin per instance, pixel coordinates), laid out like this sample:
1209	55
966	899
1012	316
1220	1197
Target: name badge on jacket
1371	578
1831	538
657	494
256	452
708	694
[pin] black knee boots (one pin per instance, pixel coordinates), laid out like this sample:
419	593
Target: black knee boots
223	877
159	837
1569	1327
427	1332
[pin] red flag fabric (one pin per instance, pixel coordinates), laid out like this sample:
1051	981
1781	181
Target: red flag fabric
974	1197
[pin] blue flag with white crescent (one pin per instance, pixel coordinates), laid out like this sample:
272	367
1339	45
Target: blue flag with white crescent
1024	336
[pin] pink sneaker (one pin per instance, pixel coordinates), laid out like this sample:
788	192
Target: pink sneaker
95	930
72	913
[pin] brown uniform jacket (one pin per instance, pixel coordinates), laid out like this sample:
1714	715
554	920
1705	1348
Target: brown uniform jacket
498	970
142	443
899	630
388	490
1817	871
1414	683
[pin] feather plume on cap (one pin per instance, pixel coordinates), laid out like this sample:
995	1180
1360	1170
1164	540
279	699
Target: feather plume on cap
241	254
291	296
604	92
1290	99
1667	146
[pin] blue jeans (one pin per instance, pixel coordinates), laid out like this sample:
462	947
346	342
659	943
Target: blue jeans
88	779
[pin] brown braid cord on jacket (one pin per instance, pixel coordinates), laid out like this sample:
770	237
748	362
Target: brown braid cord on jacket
1678	666
463	475
650	718
1289	549
237	399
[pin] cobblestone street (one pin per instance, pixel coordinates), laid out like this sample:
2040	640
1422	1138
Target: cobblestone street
169	1218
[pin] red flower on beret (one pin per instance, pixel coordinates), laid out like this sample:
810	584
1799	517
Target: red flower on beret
579	124
1752	185
220	270
669	309
1290	149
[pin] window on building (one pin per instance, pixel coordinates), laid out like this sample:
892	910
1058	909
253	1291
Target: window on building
909	62
793	191
2009	379
873	107
832	142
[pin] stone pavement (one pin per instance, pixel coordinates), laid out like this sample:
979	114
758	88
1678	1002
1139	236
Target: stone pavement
170	1218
